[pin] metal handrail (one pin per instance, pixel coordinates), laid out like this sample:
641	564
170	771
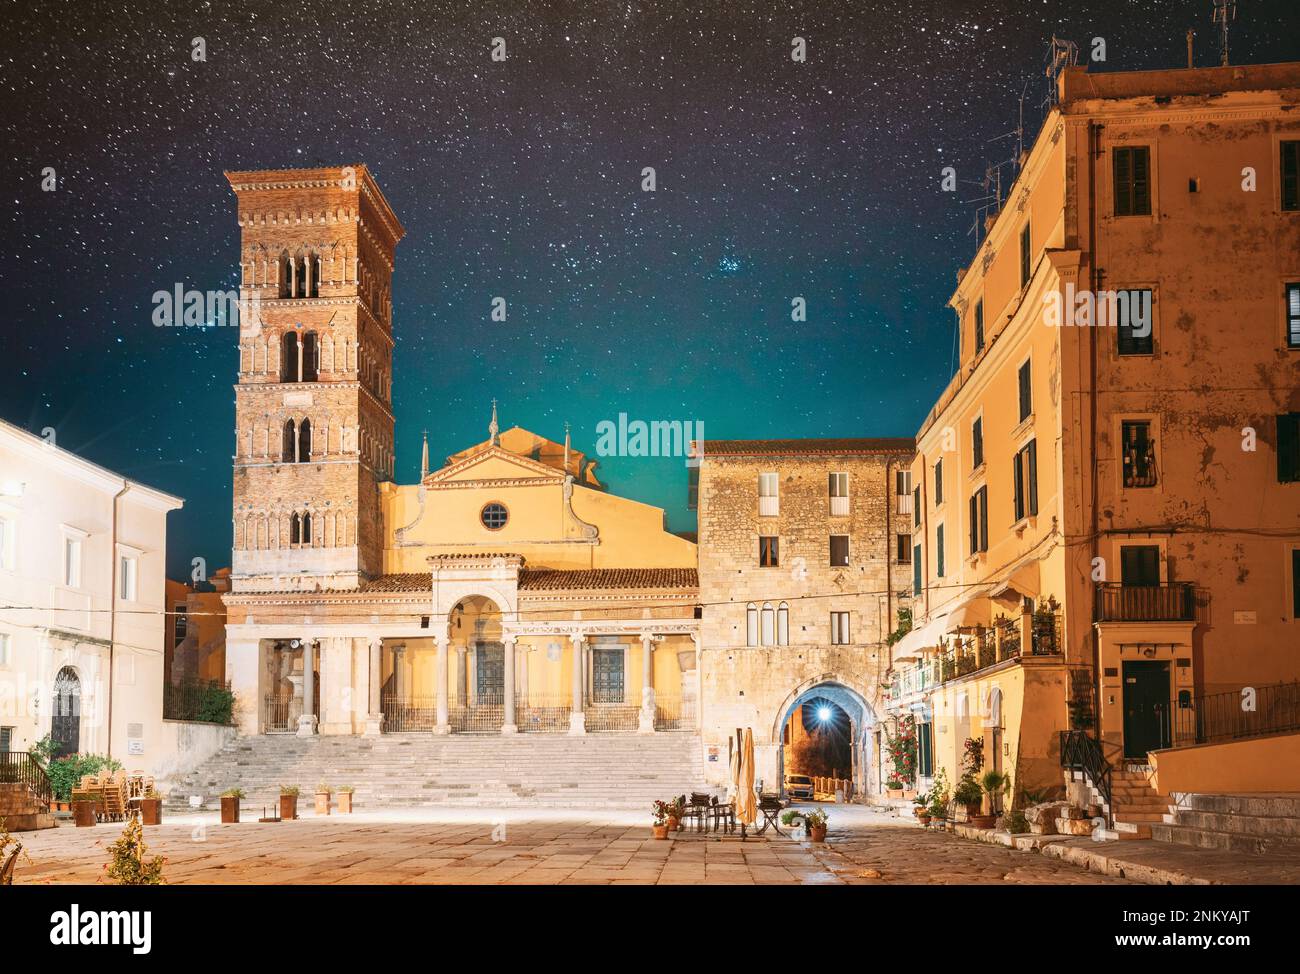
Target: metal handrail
26	768
1234	715
1081	752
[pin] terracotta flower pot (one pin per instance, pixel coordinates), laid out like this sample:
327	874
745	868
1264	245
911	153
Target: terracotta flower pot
345	802
923	819
982	821
817	833
151	811
660	831
322	803
894	792
288	807
229	811
674	823
909	793
83	814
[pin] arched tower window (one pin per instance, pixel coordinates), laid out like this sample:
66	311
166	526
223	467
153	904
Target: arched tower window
315	275
295	528
286	275
300	277
310	357
783	625
769	624
751	625
289	357
288	450
304	441
306	529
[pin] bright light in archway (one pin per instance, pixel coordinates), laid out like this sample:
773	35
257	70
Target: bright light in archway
823	714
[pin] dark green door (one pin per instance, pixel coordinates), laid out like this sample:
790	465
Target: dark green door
1146	707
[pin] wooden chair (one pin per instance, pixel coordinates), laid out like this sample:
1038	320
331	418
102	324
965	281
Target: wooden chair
723	815
697	810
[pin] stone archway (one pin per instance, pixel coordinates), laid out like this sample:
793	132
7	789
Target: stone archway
862	720
65	718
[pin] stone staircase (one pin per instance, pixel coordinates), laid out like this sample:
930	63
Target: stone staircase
21	810
1137	806
419	769
1233	823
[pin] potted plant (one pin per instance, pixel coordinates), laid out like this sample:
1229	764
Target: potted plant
323	799
345	799
939	800
969	794
893	788
921	808
994	784
815	823
289	802
151	807
676	808
660	812
230	805
84	809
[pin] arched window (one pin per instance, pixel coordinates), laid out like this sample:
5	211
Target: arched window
751	625
306	529
288	452
769	624
783	625
315	275
295	528
289	357
310	357
300	277
304	441
286	275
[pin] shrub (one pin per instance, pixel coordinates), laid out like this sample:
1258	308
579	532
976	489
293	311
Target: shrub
233	793
815	819
66	773
216	705
1016	822
128	865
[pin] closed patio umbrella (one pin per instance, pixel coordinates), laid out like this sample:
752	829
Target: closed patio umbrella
746	807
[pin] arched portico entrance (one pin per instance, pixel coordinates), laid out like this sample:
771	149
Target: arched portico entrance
832	698
65	719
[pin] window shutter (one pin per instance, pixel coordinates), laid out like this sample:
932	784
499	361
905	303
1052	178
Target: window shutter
1033	477
1141	180
974	524
1123	180
1018	482
1288	448
1291	175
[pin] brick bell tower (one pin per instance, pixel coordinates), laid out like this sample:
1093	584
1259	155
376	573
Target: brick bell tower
313	406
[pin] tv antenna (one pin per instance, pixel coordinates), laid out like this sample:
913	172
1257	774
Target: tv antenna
1061	54
1225	12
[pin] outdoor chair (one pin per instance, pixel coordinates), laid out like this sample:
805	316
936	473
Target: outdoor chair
697	811
723	815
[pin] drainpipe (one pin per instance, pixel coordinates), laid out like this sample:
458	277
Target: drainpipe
1094	142
112	610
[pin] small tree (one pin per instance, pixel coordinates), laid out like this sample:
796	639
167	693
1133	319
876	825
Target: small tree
128	865
902	750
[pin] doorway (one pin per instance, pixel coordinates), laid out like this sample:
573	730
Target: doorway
1146	707
65	723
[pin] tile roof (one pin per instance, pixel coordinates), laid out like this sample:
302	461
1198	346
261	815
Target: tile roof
552	580
399	582
813	447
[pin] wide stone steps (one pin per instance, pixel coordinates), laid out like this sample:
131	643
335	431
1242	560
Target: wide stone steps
1234	823
596	770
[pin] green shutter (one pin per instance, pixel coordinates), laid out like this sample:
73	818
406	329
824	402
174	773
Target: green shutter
1288	448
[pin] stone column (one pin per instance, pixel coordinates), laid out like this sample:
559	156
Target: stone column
462	676
646	723
307	722
443	726
699	684
246	670
374	716
577	719
508	664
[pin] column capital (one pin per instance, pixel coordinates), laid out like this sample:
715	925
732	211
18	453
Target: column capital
577	638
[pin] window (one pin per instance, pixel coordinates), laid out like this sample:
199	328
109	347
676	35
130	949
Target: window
127	569
72	562
8	542
1134	322
769	624
904	555
1291	175
977	443
6	642
916	569
1293	316
751	625
1139	451
903	488
6	739
979	521
838	487
1026	474
1139	564
839	550
979	326
1024	382
1026	262
938	482
916	505
608	684
924	750
839	628
1288	448
938	551
1295	583
769	551
769	503
1132	171
783	624
289	357
304	441
310	357
494	516
289	443
180	623
306	529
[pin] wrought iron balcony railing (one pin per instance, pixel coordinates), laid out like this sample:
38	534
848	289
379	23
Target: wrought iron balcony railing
1169	602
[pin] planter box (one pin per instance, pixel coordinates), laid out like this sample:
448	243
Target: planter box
894	792
83	814
151	811
660	831
229	811
288	807
345	803
322	803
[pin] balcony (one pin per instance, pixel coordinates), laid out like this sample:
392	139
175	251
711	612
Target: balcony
1170	602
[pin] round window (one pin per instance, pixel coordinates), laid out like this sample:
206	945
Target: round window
494	516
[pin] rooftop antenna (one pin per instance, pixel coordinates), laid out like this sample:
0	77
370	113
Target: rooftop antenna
1225	12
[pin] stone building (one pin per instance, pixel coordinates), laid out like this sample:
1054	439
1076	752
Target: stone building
1108	490
803	566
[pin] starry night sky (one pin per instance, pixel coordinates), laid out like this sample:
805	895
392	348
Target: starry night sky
522	179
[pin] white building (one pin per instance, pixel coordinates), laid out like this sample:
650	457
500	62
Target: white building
82	561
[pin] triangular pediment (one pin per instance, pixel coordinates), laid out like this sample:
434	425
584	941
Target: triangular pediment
492	464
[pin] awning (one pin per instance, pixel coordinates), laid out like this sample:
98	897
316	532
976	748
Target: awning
1023	582
911	646
976	611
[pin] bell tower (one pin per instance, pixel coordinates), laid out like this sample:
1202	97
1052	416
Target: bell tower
313	404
